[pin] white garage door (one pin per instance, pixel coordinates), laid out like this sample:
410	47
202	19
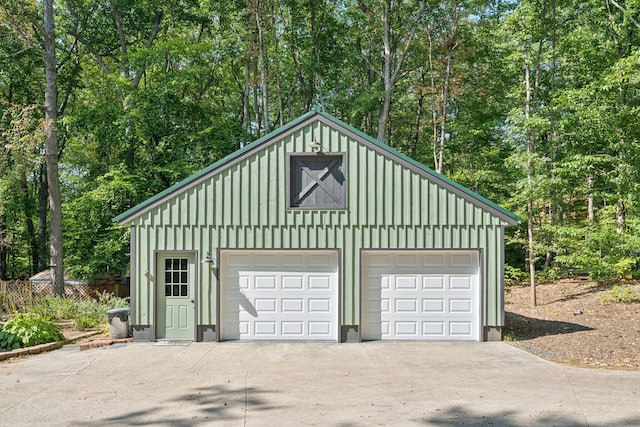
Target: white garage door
421	295
279	295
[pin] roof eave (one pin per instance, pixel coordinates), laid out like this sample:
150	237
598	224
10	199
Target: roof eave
126	217
507	216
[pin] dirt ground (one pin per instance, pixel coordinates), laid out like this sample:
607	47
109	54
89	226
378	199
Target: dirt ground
571	325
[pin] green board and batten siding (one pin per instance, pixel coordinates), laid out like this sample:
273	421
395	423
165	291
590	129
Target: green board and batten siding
241	202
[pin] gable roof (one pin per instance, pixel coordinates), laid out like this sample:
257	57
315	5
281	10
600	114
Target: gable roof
328	119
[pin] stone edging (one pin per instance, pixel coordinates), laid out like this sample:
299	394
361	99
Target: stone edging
41	348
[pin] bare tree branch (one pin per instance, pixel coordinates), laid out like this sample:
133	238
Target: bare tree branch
121	37
152	37
623	10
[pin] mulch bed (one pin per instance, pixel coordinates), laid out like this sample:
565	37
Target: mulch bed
571	325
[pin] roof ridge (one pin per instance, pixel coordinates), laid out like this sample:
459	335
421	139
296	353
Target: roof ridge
282	129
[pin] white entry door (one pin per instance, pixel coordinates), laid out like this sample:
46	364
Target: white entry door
279	295
421	295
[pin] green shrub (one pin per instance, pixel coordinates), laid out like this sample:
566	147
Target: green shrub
513	275
57	308
85	314
28	329
9	341
509	336
621	294
625	268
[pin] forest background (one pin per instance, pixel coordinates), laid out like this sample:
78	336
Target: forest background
533	104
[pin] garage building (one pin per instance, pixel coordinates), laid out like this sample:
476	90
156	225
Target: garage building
317	232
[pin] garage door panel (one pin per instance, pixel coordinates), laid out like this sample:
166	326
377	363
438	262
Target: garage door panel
433	329
461	283
433	282
319	261
292	282
433	305
463	329
319	305
320	328
243	281
437	298
288	296
433	260
236	261
265	282
407	260
293	328
265	260
460	306
461	260
406	305
379	260
292	305
265	328
293	260
265	305
406	282
241	327
322	283
406	329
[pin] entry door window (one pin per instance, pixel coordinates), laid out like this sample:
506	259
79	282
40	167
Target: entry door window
176	277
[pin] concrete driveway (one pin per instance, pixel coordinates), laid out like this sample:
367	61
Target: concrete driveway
276	384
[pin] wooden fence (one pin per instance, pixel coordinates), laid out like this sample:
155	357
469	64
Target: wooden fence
18	293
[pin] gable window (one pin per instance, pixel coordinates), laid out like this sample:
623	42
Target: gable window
317	181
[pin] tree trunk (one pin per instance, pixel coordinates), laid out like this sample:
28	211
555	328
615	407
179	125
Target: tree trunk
591	213
530	210
451	42
43	196
276	67
417	127
263	66
246	121
254	81
391	54
443	106
27	206
434	109
51	151
3	247
621	214
386	72
317	76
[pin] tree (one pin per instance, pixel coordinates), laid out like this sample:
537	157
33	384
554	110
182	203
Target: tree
24	18
389	31
51	149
